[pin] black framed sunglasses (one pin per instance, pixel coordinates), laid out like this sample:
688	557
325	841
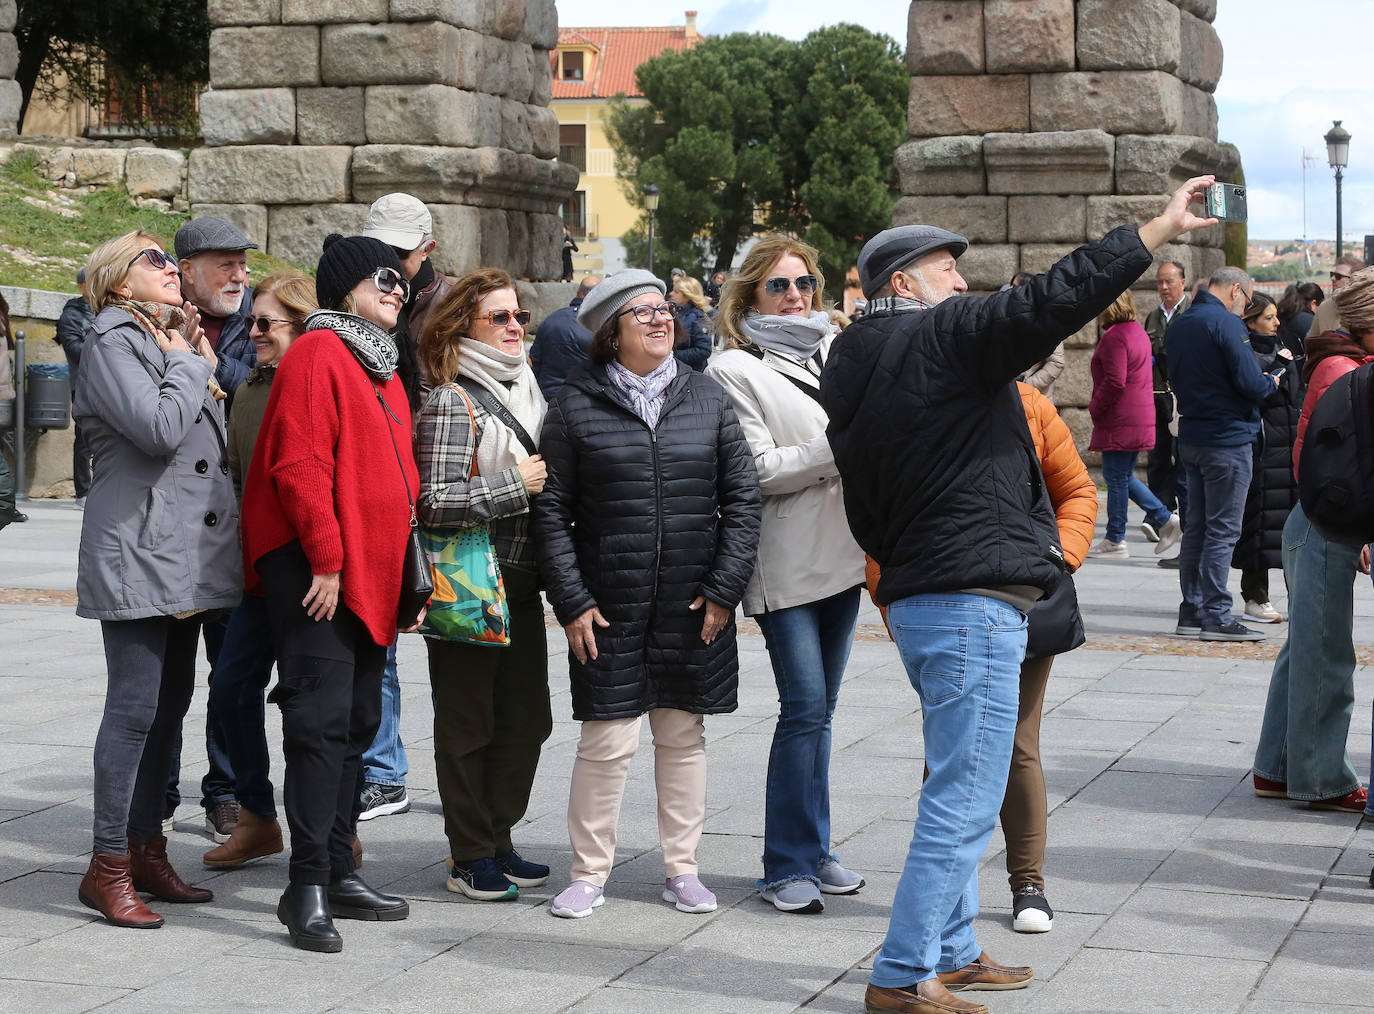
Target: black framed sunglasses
501	318
777	286
157	258
389	280
1337	276
645	314
264	324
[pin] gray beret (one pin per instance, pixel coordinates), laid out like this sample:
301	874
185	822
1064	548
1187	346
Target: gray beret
202	234
893	249
613	293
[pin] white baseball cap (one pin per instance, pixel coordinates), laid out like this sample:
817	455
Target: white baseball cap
398	220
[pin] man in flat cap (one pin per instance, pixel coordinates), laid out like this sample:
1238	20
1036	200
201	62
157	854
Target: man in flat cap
214	277
943	489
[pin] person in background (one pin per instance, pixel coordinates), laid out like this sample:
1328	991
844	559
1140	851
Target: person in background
777	338
1296	311
1326	317
159	547
693	314
560	343
7	395
281	304
1162	473
75	320
569	248
327	508
712	288
1123	415
1273	488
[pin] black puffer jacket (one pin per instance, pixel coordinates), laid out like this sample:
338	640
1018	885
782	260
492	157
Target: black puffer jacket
639	523
941	480
1273	489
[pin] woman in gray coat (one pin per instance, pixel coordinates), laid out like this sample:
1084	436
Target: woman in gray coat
159	549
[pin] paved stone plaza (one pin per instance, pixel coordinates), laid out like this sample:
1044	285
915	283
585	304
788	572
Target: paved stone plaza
1174	887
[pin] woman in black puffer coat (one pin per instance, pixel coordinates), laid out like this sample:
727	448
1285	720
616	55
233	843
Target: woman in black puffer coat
1273	489
647	530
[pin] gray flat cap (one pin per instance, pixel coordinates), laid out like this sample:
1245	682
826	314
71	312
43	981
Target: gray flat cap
202	234
613	292
896	248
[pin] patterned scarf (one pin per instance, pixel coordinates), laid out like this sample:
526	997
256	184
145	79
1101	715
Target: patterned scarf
159	318
895	304
645	393
374	348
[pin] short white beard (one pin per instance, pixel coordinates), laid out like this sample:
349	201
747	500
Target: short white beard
927	293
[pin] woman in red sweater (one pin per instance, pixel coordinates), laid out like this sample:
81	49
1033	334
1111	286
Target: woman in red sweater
327	507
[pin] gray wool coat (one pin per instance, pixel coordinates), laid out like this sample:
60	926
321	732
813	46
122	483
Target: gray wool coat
160	533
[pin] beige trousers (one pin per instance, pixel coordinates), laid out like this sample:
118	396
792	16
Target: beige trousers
598	782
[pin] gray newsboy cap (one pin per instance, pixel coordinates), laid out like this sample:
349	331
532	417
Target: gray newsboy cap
614	292
202	234
893	249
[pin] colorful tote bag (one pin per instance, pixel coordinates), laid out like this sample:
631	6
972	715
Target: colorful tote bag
469	600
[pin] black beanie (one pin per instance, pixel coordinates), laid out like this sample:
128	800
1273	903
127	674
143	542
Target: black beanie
346	261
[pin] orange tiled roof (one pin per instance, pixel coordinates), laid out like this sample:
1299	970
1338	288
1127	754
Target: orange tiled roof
618	52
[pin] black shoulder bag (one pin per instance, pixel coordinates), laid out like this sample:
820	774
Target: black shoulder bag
492	404
813	393
417	579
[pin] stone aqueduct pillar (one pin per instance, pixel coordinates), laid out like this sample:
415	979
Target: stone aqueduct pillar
11	95
1038	124
318	107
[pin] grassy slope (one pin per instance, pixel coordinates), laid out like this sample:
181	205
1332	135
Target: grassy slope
46	232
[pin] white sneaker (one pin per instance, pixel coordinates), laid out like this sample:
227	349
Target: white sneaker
1262	612
1108	550
1148	530
1169	534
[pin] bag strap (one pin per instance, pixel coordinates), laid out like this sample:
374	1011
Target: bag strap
391	417
472	423
811	392
493	405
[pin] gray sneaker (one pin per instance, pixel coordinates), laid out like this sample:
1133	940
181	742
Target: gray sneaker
835	879
795	896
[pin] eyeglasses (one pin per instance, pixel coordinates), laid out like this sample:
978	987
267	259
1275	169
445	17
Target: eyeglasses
777	286
388	280
645	314
157	258
1335	275
264	324
501	318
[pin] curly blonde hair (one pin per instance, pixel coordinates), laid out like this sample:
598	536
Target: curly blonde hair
108	267
737	294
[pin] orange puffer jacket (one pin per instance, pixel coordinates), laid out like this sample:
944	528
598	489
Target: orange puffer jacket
1072	491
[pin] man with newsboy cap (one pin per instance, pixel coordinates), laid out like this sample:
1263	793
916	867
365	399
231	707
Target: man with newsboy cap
214	277
943	489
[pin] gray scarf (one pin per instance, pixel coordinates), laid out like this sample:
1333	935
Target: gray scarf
645	393
791	336
373	347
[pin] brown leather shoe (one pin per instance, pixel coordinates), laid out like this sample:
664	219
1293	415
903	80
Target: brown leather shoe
153	874
253	837
357	853
987	974
108	888
928	996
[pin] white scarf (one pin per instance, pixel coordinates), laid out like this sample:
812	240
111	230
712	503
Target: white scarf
792	336
510	379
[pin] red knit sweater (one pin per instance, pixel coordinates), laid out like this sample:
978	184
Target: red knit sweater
324	471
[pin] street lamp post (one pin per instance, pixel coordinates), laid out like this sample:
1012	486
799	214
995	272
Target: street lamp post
651	205
1338	154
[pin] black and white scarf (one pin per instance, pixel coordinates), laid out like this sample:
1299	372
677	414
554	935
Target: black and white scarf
372	346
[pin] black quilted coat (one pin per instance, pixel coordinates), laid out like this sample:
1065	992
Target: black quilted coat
639	523
1273	489
942	484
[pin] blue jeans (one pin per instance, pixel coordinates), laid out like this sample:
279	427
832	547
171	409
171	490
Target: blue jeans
1312	688
236	696
963	655
809	646
1118	471
384	762
1218	479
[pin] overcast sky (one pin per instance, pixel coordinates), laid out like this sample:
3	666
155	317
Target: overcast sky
1290	70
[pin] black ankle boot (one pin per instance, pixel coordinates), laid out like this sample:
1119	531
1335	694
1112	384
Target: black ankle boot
304	911
351	898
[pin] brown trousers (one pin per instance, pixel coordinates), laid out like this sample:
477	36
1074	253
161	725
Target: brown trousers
1024	808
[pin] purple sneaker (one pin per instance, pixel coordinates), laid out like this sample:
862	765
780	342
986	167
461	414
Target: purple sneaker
689	894
577	900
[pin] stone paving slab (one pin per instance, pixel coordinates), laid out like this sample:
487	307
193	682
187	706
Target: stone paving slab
1174	887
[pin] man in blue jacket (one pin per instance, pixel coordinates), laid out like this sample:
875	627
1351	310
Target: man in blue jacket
560	344
1219	386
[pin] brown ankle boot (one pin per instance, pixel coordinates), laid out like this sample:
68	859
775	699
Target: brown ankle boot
253	837
153	874
108	888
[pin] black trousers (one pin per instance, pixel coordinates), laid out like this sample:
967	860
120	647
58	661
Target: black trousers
1160	462
329	689
491	715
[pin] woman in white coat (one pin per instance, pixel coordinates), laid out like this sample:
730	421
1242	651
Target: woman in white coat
805	590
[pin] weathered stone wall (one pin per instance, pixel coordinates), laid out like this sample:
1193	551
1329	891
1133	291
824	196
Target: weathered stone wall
318	107
154	177
1038	125
11	95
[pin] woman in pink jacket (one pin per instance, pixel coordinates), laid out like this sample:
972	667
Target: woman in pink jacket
1123	414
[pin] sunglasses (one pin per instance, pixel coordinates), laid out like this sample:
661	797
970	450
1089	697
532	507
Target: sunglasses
777	286
264	324
502	317
156	258
645	314
388	280
1335	276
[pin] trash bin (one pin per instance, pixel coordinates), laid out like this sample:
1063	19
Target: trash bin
47	401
